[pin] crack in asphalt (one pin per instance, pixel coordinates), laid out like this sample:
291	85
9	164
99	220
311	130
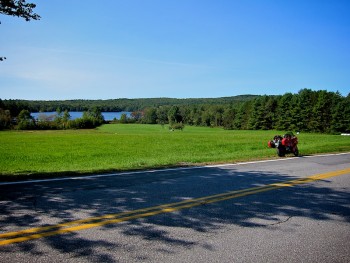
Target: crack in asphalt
281	221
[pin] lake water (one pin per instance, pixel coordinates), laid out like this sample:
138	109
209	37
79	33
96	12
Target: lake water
109	116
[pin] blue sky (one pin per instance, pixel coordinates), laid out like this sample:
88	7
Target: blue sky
175	48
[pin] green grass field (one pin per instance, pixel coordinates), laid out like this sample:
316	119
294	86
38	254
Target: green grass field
117	147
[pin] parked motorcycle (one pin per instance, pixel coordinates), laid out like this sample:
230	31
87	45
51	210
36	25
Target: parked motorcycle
284	145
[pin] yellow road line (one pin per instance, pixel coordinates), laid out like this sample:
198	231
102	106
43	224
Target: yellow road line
77	225
110	216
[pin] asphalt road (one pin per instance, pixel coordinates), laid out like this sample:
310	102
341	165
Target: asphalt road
287	210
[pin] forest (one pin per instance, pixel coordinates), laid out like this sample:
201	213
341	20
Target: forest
308	110
113	105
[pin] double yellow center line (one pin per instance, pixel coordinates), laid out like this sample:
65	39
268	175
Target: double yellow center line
46	231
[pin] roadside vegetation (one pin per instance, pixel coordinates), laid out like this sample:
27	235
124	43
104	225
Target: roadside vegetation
120	147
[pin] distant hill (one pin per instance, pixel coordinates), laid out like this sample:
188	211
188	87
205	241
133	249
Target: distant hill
122	104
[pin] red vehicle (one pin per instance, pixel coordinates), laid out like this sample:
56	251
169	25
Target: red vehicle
284	145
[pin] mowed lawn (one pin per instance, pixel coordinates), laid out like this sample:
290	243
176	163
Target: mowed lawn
117	147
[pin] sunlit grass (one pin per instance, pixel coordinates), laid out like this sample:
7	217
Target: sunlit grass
124	147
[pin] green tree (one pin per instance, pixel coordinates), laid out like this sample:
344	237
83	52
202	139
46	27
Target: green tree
205	118
241	121
58	118
257	114
341	115
25	120
90	119
123	118
284	117
5	119
162	115
228	117
195	117
270	108
96	115
322	111
263	113
185	112
216	113
150	116
306	100
18	8
65	119
174	115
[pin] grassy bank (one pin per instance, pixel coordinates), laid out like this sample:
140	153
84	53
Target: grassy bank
126	147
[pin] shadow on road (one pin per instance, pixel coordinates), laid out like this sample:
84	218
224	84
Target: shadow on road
29	205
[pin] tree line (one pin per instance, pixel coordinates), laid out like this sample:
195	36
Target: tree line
310	111
307	110
113	105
